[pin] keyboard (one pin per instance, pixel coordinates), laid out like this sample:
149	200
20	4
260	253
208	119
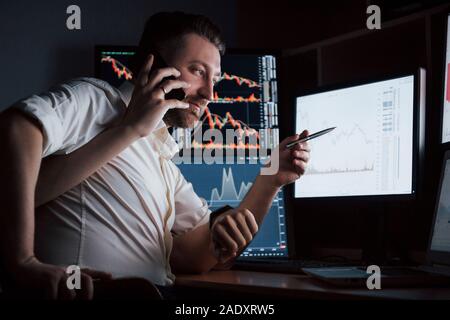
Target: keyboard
288	265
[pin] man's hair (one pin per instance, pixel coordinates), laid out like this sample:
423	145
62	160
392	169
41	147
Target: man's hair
164	29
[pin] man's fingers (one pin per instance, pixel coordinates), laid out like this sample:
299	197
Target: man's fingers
290	139
301	155
143	75
86	291
51	290
225	256
235	233
303	146
251	221
158	75
173	103
64	293
300	166
243	227
169	85
224	239
304	134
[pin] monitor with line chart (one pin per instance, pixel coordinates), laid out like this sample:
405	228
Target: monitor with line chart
245	100
112	63
222	184
372	150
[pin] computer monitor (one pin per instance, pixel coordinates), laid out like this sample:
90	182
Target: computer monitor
112	63
446	95
375	147
246	99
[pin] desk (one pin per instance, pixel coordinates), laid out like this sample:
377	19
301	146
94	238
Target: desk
251	284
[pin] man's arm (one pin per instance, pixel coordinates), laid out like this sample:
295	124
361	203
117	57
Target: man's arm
146	109
21	140
60	173
22	275
19	167
196	252
202	249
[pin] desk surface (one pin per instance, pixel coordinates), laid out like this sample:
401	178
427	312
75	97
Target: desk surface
297	286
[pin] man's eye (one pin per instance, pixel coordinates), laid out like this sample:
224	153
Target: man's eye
200	72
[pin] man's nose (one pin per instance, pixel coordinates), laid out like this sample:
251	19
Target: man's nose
207	91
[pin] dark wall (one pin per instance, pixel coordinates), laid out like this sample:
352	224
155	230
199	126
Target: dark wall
37	50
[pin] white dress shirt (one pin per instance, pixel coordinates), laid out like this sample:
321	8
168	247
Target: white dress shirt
123	217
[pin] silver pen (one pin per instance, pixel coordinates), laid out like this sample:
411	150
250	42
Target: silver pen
311	136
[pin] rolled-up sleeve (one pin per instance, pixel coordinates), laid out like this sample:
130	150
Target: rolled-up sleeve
56	111
191	211
70	114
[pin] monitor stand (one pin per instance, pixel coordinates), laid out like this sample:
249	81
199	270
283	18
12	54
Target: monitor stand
374	221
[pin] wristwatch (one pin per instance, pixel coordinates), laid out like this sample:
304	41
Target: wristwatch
213	216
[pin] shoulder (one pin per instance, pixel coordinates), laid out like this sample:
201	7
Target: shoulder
86	85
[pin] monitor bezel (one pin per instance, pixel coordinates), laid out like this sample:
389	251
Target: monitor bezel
443	89
418	136
434	256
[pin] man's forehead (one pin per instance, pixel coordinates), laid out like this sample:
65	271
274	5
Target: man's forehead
201	50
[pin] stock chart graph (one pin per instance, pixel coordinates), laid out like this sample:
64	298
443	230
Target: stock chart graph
228	185
112	64
369	152
245	100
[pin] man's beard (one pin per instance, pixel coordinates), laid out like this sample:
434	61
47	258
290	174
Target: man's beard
181	118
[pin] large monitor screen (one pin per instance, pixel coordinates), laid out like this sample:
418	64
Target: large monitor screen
246	101
371	150
446	102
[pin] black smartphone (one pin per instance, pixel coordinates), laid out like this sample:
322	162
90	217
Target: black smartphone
158	63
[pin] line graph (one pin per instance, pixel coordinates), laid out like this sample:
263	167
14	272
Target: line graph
347	150
242	131
251	99
228	190
239	80
118	68
228	185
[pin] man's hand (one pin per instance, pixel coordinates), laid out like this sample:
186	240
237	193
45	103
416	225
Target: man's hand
148	105
232	232
292	163
34	279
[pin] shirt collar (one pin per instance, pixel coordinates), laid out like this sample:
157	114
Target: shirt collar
160	138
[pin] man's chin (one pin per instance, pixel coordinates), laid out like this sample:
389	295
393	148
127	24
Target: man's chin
182	120
190	122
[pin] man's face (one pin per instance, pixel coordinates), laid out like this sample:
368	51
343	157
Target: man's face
198	61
